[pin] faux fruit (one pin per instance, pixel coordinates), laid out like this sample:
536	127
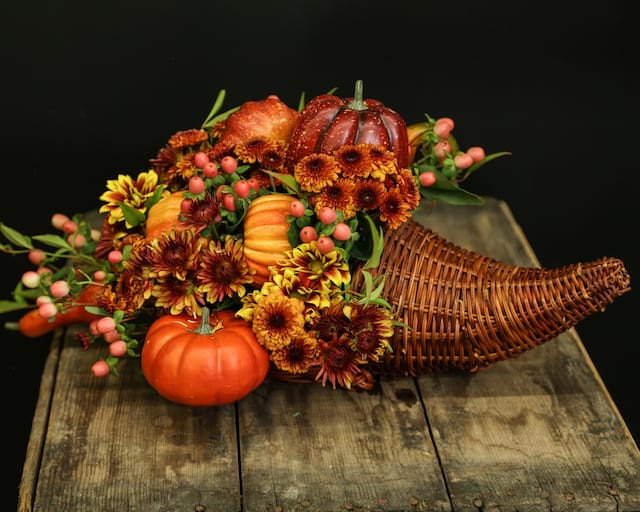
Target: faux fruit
328	122
265	233
164	215
213	360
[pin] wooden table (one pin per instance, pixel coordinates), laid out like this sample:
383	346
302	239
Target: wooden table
537	433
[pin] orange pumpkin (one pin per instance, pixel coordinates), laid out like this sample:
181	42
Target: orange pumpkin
212	361
265	233
164	215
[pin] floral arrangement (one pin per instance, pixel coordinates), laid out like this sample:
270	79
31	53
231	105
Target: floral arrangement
247	228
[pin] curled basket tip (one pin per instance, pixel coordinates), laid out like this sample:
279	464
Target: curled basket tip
466	311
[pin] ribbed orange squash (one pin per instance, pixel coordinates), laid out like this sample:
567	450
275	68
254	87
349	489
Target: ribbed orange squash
164	215
265	233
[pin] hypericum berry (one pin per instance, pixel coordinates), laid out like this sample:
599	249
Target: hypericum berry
111	336
100	369
229	202
296	208
229	164
440	150
77	240
210	170
95	235
447	121
36	256
58	219
59	289
31	279
308	234
242	188
106	324
476	152
44	270
118	348
200	159
196	185
325	244
43	299
342	232
48	310
254	184
186	205
463	161
327	215
69	227
427	178
93	327
442	130
115	257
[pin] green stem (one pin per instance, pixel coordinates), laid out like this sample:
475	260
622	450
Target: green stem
357	103
205	326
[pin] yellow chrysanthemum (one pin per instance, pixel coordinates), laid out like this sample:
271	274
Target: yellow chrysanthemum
277	319
298	355
130	193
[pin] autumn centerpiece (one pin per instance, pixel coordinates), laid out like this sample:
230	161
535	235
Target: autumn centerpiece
275	241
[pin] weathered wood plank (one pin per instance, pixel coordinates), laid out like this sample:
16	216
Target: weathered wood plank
535	433
113	444
308	448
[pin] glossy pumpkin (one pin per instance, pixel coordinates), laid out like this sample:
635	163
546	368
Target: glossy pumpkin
328	122
265	233
164	215
215	360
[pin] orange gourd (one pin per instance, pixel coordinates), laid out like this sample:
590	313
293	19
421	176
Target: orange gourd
214	360
164	215
265	233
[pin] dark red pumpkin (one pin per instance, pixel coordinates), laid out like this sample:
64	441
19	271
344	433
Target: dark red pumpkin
328	122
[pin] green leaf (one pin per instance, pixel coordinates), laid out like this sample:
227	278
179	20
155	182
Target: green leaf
96	311
7	305
53	241
288	180
217	105
154	198
220	117
377	239
15	237
447	191
301	102
131	215
485	161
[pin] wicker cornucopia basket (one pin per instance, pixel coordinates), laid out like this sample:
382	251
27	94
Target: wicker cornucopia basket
465	311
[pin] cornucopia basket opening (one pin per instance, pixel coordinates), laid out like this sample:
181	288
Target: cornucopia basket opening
275	241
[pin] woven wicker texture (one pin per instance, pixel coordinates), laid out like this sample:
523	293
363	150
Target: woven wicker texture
465	311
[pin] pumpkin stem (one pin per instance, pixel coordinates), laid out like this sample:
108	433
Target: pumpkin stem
357	103
205	327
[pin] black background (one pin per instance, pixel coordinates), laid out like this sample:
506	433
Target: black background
91	90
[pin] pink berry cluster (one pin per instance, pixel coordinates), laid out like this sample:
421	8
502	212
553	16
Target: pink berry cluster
446	152
110	328
328	231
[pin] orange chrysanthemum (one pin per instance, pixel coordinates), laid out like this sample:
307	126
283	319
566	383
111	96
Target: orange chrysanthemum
250	150
370	328
223	270
298	355
383	161
316	171
201	214
128	293
338	196
408	187
394	210
273	157
187	138
178	295
353	160
338	363
277	319
368	194
174	253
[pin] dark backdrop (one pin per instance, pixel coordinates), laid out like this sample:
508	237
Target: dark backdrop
90	90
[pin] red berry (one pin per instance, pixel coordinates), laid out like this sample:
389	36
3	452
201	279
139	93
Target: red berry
427	178
325	244
77	240
441	148
106	324
185	205
36	256
442	130
327	215
296	208
43	299
114	257
242	188
254	184
200	159
308	234
44	270
93	327
229	202
99	276
100	369
463	161
210	170
446	120
58	219
229	164
196	185
118	348
69	227
59	289
476	152
111	336
47	310
342	232
31	279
